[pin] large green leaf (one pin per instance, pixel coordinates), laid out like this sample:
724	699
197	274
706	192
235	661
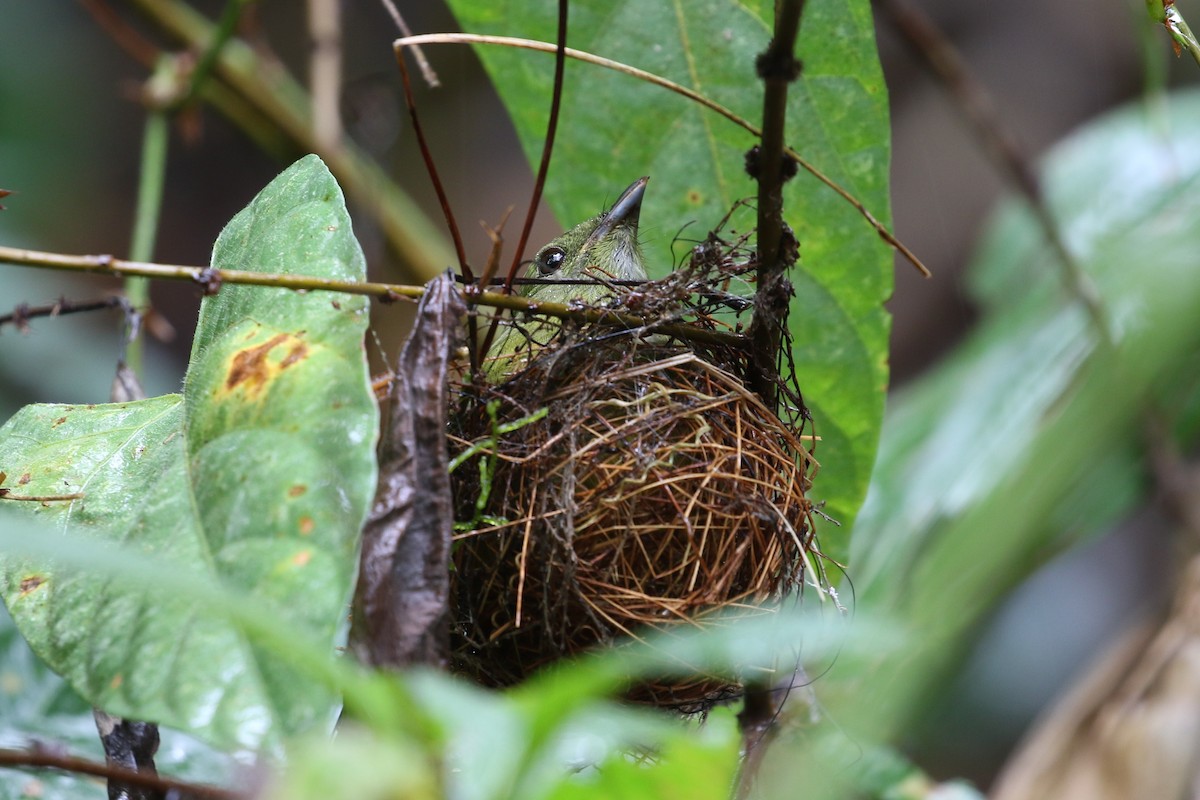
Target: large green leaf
37	704
1032	432
614	129
1123	194
258	475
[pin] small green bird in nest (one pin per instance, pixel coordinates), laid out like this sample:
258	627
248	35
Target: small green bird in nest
650	488
604	249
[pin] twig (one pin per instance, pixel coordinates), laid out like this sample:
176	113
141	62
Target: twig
410	101
778	67
212	279
1181	33
253	123
127	37
205	276
944	61
22	313
757	723
325	74
1165	13
6	494
431	78
560	59
151	178
41	758
694	96
464	269
281	100
539	184
223	32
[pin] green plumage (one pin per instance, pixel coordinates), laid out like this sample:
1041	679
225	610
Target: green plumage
604	248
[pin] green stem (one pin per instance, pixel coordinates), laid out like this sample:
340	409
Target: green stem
213	279
1181	33
145	223
276	97
222	33
1154	65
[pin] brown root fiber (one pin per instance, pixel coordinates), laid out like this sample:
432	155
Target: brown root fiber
655	491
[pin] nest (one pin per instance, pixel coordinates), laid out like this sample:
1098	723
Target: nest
624	486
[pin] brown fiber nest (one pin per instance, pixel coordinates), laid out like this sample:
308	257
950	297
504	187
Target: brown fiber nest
655	491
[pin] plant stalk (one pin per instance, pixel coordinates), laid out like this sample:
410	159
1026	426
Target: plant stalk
212	280
151	179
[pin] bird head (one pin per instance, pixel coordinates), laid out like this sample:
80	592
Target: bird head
604	247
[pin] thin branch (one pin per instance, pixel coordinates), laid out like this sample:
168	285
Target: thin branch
1166	14
22	313
6	494
212	280
252	122
223	32
431	78
778	68
690	94
560	60
410	101
209	278
1181	34
325	74
41	758
127	37
277	97
943	60
757	723
151	178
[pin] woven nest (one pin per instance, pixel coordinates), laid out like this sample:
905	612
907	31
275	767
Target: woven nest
655	491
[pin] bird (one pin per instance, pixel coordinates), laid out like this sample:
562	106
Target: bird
604	248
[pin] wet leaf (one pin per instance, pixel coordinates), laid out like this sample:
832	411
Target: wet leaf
981	424
258	476
1033	432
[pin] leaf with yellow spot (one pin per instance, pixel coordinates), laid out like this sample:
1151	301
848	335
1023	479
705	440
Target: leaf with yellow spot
259	474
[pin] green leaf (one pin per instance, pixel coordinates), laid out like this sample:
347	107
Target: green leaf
37	705
697	763
1033	431
259	475
613	129
1124	195
513	752
357	765
35	702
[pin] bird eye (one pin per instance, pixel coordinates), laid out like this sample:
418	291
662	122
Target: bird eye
550	260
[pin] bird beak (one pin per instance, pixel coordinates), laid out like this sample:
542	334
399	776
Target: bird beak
625	211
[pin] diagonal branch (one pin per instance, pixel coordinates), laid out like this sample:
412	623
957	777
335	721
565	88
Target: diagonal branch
42	758
277	96
683	91
944	61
